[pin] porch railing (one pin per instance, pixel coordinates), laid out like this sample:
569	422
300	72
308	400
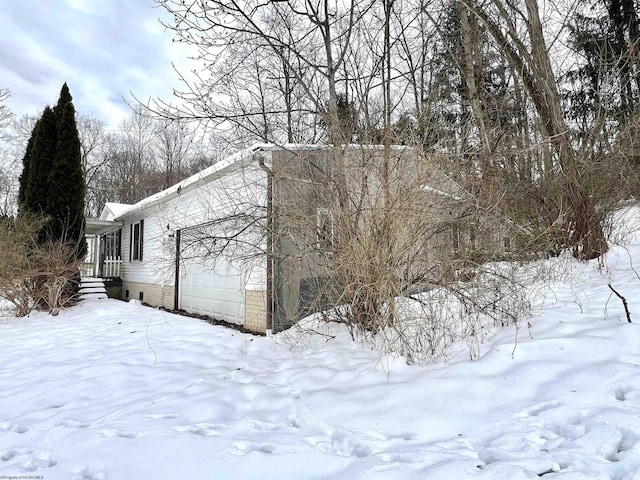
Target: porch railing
111	267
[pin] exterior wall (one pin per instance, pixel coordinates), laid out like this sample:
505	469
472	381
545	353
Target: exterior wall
236	190
299	189
157	264
308	185
154	295
233	287
255	316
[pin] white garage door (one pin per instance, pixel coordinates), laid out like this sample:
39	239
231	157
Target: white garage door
218	293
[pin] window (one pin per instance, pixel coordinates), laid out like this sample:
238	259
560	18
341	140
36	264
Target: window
324	229
136	237
111	243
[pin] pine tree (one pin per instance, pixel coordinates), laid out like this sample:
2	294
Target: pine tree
608	81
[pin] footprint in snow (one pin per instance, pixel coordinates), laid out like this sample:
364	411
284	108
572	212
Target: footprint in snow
87	473
345	444
114	432
241	448
73	424
402	457
341	442
12	427
627	394
346	447
8	455
406	436
204	429
162	416
536	409
267	426
40	459
621	394
14	453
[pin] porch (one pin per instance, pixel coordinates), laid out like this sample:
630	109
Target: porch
103	258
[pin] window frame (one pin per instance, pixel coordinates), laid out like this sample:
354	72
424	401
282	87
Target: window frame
136	241
112	244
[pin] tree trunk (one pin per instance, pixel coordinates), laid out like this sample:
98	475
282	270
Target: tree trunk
582	228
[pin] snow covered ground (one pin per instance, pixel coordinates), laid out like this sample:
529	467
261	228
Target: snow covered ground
113	390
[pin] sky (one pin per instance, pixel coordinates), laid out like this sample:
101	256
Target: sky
104	50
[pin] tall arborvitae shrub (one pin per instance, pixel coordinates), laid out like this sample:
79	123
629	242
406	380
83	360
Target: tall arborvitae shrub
65	196
43	152
52	181
64	99
25	167
52	188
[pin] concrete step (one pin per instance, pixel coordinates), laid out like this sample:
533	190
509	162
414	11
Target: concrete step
92	288
94	296
97	289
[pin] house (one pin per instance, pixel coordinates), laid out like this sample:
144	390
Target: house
247	240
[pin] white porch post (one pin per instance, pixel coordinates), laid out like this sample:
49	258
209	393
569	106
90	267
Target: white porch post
96	255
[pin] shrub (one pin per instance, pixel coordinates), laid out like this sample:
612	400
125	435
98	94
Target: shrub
35	275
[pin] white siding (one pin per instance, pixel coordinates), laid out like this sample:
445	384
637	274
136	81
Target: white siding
207	286
158	251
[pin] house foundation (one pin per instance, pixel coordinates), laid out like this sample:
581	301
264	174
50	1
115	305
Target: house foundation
151	294
255	311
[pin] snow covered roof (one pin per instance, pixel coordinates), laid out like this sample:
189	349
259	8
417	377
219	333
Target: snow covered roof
214	171
113	210
95	226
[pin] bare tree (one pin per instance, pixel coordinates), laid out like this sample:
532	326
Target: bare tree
173	146
306	41
526	50
380	227
5	113
6	178
93	146
8	192
128	158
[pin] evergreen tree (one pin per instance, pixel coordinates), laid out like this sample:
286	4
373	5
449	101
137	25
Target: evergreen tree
25	167
52	181
608	81
65	196
41	159
65	98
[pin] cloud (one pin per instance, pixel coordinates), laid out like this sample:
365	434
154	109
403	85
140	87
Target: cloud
103	50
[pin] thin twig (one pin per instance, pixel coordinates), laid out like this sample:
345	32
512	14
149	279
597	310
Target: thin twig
624	302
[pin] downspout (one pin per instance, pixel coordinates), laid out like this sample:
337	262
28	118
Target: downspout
270	296
176	282
269	240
